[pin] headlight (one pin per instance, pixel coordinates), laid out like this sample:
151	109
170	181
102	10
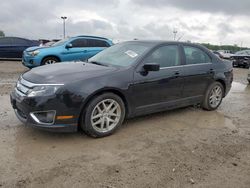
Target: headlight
42	91
34	53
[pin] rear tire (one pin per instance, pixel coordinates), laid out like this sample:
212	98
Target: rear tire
49	61
103	115
213	96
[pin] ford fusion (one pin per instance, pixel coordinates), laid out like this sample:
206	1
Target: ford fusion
126	80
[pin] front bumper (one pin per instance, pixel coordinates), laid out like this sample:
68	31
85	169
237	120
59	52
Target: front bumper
24	106
31	61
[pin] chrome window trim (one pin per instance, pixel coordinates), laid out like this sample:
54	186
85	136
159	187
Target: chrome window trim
178	66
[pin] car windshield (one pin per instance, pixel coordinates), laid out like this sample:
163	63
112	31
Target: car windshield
59	43
123	54
244	52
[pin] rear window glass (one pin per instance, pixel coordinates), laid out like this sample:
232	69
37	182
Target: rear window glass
196	56
97	43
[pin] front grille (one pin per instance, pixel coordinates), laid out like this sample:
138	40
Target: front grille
23	86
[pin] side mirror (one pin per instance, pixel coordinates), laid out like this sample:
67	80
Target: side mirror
69	46
151	67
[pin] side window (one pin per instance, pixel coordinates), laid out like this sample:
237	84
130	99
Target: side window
195	56
79	43
18	41
6	41
97	43
165	56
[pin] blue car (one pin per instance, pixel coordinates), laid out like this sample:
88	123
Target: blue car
75	48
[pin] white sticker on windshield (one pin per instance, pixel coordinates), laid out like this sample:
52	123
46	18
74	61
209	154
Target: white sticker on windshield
131	53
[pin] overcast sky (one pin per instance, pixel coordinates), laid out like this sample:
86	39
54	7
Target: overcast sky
213	21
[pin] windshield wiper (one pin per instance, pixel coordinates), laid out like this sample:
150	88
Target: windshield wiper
97	63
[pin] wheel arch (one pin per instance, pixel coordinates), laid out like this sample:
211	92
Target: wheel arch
54	56
102	91
223	83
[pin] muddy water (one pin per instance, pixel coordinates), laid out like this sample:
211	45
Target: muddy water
187	147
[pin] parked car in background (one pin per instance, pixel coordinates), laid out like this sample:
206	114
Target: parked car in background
241	59
13	47
217	54
75	48
225	54
126	80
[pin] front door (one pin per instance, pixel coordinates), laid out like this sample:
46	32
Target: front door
162	89
79	50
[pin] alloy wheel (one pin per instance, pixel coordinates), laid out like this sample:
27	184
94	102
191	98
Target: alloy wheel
215	96
49	62
106	115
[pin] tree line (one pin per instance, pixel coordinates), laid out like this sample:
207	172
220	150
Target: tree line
2	33
233	48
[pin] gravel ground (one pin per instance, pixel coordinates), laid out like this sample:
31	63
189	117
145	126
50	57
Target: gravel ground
187	147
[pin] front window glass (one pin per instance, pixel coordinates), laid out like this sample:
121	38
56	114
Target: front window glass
165	56
123	54
79	43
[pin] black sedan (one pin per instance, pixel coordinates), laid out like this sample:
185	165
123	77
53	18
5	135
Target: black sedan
13	47
123	81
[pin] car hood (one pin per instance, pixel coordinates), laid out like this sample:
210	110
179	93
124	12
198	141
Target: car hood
66	72
30	49
240	55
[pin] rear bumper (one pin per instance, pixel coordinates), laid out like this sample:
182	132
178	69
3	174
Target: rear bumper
228	81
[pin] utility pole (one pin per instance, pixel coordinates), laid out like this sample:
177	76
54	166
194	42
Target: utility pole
241	45
175	33
64	19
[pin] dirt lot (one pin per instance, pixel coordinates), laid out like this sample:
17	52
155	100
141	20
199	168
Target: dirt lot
188	147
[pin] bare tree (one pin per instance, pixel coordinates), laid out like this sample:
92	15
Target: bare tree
2	33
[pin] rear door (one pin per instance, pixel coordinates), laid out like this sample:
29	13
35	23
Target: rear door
95	46
198	72
6	47
19	45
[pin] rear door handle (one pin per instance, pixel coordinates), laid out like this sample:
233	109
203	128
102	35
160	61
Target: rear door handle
85	51
211	71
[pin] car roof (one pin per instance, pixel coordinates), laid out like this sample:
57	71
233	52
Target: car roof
89	36
159	42
14	38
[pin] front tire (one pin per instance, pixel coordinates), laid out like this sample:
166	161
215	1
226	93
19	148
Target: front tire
213	96
49	61
103	115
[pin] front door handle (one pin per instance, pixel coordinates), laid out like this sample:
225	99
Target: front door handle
85	51
176	74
